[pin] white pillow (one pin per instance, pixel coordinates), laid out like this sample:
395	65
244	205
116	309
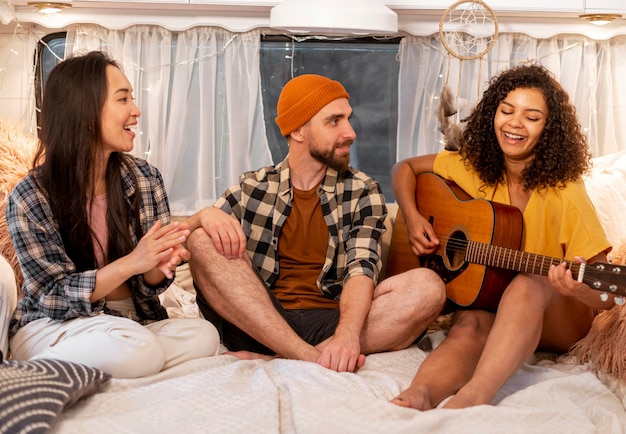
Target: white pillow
8	300
606	186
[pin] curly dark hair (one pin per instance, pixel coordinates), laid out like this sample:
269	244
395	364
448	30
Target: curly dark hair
561	154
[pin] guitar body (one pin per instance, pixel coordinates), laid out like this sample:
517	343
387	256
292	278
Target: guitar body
457	218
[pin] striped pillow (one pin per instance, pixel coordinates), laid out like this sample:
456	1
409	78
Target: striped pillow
35	392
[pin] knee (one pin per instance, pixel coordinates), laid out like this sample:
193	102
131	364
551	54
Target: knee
184	339
529	291
197	241
202	337
427	286
471	325
211	339
138	355
419	293
204	256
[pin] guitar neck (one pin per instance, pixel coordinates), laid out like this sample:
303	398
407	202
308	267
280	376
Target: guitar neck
509	259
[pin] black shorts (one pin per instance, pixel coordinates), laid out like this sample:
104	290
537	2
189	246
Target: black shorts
312	325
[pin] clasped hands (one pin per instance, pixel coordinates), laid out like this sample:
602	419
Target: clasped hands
162	248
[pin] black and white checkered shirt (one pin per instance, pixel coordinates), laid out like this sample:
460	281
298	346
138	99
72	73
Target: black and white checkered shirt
353	207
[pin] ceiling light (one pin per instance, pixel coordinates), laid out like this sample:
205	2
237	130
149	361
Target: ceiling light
50	8
334	17
600	19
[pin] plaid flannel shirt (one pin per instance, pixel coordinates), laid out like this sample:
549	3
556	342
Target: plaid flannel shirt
53	287
353	207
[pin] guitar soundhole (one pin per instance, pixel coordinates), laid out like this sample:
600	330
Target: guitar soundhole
455	250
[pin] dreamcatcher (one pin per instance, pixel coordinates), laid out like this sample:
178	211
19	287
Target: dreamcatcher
468	29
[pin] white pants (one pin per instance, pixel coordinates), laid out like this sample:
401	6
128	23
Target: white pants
8	300
120	346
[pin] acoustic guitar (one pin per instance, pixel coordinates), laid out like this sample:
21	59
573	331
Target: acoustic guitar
479	254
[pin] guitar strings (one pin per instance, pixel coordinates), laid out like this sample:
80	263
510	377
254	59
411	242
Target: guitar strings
504	254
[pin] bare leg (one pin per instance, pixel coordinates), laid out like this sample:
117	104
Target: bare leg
449	366
527	305
235	292
403	307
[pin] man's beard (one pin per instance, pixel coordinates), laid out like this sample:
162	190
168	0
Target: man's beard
328	158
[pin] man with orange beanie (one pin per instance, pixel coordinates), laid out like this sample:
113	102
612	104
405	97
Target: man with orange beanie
286	263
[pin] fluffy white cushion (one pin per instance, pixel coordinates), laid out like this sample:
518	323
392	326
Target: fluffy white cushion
605	345
16	153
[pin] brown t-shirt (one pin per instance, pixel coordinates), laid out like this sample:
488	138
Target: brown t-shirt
302	249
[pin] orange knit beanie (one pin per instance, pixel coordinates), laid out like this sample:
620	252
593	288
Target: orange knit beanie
302	97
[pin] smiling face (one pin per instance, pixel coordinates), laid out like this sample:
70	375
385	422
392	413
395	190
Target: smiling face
119	113
330	134
519	122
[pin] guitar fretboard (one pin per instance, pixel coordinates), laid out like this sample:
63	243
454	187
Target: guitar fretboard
509	259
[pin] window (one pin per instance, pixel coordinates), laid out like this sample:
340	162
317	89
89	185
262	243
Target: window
367	67
50	50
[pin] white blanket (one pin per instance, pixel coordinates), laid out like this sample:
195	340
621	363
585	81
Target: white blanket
226	395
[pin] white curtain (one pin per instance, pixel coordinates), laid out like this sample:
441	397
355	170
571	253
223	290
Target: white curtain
199	92
590	71
202	119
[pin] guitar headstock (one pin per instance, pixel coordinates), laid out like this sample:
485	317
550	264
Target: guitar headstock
608	278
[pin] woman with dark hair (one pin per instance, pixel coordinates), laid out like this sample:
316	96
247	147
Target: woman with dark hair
522	146
91	228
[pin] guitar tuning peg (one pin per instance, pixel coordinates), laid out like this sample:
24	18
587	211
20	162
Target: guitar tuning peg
604	296
619	300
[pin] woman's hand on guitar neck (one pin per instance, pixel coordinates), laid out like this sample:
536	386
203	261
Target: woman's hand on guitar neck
561	279
422	237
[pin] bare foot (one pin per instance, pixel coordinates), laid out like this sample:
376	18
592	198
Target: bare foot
415	397
360	361
464	399
249	355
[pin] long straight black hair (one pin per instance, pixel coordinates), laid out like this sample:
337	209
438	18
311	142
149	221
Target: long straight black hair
70	144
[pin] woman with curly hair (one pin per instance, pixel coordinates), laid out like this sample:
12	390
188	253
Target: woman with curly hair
522	146
91	228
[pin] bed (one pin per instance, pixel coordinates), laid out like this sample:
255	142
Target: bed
222	394
226	395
